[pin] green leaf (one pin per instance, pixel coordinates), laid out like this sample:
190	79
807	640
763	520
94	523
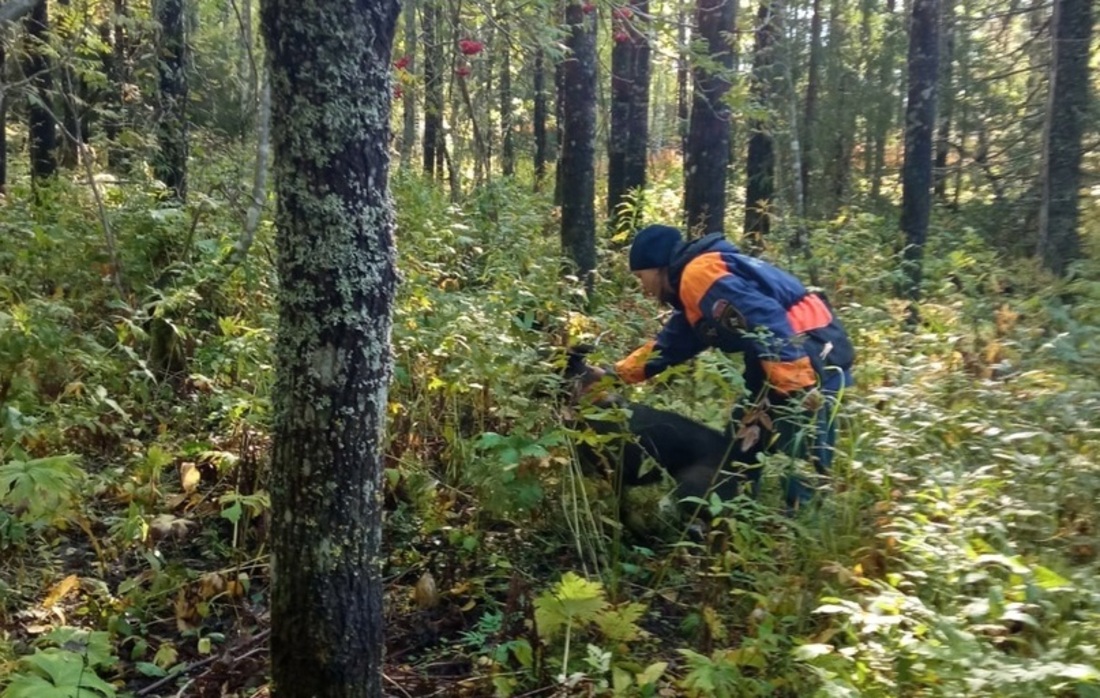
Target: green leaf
805	653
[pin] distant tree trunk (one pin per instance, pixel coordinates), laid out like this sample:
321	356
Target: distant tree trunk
946	99
559	119
1067	113
842	83
3	127
170	164
539	117
408	102
43	127
883	105
507	138
760	166
433	89
916	175
115	67
683	115
813	86
577	167
627	145
336	264
708	145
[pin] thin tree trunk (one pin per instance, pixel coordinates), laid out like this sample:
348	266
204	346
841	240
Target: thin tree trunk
3	125
336	264
433	89
1067	112
170	165
760	165
43	127
116	64
408	103
507	139
813	86
683	115
708	149
259	178
539	117
627	145
883	108
577	168
916	175
946	100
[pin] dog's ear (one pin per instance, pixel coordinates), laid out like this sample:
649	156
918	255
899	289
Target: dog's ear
576	364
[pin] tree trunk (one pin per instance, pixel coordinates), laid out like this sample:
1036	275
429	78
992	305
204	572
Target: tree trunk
408	104
170	164
883	106
115	65
916	175
683	115
760	166
577	167
3	126
507	139
539	117
946	99
433	89
1067	114
330	77
813	86
43	127
627	145
708	146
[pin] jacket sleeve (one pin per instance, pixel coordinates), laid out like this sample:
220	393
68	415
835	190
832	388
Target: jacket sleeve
675	344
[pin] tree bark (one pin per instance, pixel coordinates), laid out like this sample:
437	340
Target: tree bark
683	63
577	166
916	175
760	165
627	145
708	146
170	164
1067	114
507	138
330	78
3	126
539	116
813	86
433	89
43	127
408	103
946	100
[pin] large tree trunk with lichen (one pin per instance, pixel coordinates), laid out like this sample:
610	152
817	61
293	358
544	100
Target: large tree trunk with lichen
1067	114
170	163
330	78
708	142
577	176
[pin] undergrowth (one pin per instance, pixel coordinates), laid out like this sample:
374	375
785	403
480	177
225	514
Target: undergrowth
956	553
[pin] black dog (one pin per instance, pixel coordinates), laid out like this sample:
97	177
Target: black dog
693	454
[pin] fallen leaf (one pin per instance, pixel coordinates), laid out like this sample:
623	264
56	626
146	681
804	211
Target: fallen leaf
189	476
425	593
60	591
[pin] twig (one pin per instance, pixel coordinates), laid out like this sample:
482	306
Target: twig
258	637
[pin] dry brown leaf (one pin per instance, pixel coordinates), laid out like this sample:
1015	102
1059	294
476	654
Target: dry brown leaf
189	476
169	526
749	435
425	594
60	590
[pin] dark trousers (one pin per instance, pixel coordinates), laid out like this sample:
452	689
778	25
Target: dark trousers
787	428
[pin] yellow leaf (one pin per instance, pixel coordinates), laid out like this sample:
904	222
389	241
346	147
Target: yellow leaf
189	476
60	590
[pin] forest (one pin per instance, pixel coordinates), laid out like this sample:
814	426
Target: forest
289	291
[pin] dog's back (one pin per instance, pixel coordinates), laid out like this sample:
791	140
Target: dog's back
692	453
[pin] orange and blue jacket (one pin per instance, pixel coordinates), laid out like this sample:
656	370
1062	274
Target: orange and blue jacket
739	303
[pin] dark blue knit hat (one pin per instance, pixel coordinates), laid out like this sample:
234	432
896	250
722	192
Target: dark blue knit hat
653	246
